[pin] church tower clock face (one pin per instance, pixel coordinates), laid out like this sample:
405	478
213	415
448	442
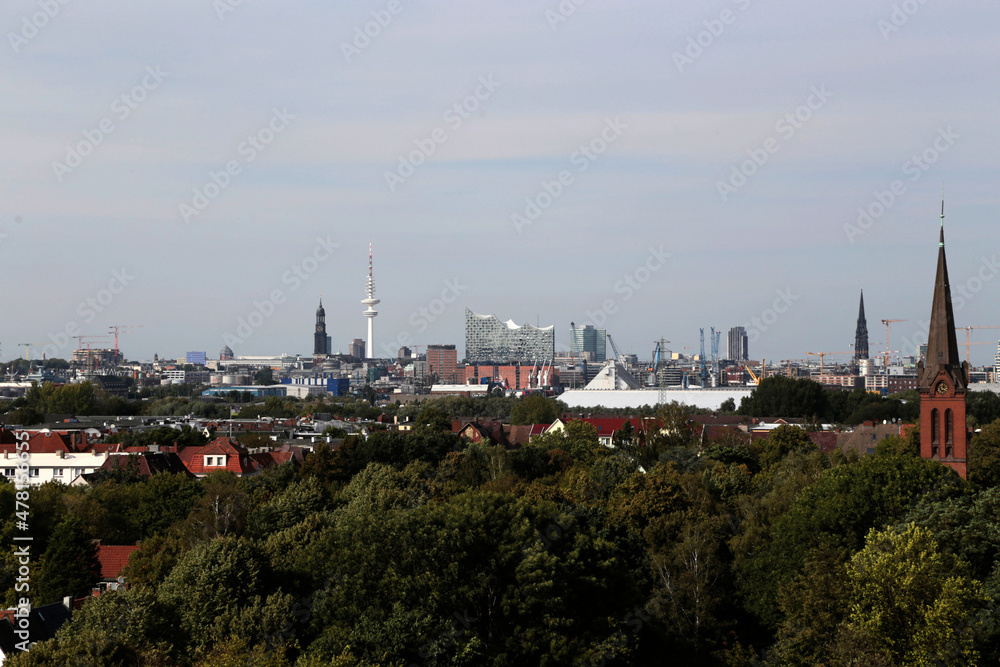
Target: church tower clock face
942	388
319	327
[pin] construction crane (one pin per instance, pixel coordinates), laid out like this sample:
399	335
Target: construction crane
716	335
788	366
823	354
968	331
887	323
121	328
614	348
27	353
88	341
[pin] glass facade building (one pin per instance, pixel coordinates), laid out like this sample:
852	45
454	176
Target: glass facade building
590	342
490	341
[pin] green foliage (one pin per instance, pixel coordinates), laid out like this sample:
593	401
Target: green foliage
264	376
68	566
982	406
913	601
536	409
117	629
185	436
836	512
780	396
984	456
434	419
24	416
782	441
213	581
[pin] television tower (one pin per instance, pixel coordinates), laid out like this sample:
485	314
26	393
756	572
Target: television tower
370	313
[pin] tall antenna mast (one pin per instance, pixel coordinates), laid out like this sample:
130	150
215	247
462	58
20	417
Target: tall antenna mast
370	312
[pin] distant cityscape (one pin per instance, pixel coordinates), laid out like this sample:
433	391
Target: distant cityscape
501	357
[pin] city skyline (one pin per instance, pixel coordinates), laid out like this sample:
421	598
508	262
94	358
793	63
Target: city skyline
745	163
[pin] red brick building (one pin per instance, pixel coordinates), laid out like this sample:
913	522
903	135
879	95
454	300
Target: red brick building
442	363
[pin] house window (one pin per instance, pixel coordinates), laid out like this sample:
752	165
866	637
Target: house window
33	472
215	461
9	472
57	472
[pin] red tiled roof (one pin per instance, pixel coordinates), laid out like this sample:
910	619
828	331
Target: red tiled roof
113	559
238	461
42	443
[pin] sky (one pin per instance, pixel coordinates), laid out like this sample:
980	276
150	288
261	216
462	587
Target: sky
206	170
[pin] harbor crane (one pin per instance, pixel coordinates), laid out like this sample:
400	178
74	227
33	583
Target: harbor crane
614	348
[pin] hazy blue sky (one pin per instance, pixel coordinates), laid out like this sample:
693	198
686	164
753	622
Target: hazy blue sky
833	101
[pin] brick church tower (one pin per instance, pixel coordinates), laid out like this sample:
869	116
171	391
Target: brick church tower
943	379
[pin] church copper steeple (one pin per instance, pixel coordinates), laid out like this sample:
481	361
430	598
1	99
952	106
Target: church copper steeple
861	334
943	379
942	342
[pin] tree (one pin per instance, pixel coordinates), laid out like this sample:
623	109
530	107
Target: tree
434	419
728	405
69	565
984	456
782	441
780	396
212	580
836	512
264	376
912	600
536	409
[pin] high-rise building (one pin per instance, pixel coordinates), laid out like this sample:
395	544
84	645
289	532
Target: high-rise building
943	379
319	338
590	343
996	364
737	350
488	340
442	363
370	312
197	358
861	333
358	348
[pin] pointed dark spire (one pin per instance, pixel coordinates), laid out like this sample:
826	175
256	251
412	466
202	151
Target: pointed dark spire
861	333
942	342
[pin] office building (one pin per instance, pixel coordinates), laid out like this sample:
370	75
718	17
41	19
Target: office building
737	350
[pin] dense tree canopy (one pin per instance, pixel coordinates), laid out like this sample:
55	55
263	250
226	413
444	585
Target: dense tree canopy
401	548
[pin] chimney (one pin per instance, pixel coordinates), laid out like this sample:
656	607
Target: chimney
68	602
